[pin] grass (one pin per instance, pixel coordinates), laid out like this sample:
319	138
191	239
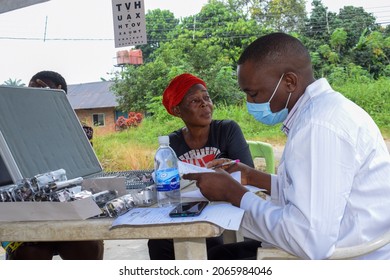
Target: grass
124	151
134	149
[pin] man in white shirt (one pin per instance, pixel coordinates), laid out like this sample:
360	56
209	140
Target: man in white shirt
332	188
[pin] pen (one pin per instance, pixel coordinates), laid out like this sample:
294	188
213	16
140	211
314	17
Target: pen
228	163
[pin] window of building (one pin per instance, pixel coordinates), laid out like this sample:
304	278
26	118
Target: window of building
98	119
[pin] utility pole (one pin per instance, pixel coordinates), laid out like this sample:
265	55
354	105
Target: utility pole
44	35
193	34
327	20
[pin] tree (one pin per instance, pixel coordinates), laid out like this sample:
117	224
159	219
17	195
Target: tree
285	15
225	25
338	39
208	45
372	53
137	86
213	18
159	23
14	83
354	20
280	15
317	25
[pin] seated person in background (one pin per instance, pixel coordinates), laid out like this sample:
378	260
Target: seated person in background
89	132
53	80
201	140
48	79
67	250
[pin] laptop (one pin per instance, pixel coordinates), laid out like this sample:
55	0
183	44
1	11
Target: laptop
40	132
5	177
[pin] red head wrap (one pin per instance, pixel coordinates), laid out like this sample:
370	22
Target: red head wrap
177	88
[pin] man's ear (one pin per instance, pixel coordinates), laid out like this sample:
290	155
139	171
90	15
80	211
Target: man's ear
176	111
59	87
291	79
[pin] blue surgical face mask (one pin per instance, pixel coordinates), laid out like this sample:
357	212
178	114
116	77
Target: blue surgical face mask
262	111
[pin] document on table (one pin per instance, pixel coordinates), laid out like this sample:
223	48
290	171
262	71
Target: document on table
223	214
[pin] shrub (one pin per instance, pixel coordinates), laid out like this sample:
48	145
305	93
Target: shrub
133	120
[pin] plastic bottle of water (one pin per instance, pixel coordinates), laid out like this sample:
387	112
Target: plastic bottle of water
166	174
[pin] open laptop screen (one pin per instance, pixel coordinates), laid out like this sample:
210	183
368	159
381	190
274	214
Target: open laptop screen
5	177
41	133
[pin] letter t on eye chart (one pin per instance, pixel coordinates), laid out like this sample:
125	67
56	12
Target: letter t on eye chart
129	22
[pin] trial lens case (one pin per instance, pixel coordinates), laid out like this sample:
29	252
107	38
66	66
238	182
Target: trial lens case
40	132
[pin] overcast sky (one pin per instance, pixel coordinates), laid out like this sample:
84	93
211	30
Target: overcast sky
23	50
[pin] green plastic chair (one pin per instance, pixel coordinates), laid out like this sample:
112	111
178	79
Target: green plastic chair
260	149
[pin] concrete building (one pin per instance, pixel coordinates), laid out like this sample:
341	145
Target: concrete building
95	105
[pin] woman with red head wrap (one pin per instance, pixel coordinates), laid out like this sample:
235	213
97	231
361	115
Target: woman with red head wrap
201	140
177	88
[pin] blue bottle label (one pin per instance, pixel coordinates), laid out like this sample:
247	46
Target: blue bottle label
167	180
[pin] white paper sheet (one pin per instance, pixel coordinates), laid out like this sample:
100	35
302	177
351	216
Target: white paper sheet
224	215
185	168
192	194
197	194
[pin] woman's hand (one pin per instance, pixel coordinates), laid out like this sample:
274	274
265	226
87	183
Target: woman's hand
218	163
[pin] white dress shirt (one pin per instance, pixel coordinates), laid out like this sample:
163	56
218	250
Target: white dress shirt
332	188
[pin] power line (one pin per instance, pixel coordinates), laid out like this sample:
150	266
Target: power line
56	39
201	21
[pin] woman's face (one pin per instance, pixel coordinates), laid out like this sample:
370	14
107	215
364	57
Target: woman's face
196	108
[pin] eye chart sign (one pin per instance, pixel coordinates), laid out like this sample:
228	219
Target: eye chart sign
129	22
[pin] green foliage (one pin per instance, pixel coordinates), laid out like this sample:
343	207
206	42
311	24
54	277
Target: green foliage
338	39
352	73
159	24
347	33
285	15
372	95
318	26
134	148
354	20
206	45
344	46
137	85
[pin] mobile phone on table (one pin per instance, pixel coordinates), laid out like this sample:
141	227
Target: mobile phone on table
188	209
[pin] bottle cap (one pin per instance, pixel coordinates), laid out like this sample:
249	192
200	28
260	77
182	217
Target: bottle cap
163	140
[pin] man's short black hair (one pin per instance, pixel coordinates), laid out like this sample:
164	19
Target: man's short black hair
55	77
274	48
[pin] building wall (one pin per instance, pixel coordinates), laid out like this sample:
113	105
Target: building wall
85	117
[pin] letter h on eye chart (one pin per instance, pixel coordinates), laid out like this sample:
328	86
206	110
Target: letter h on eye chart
129	22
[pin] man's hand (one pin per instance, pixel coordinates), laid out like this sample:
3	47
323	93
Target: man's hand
238	166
